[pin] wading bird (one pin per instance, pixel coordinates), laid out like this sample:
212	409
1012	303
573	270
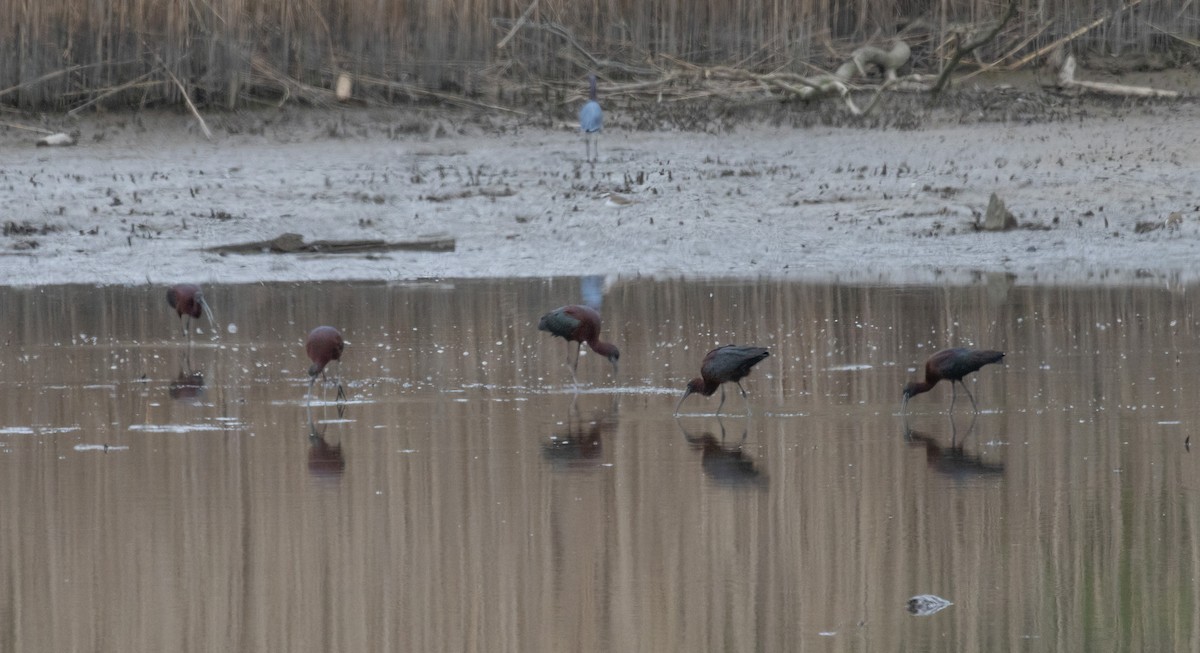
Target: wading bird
951	365
728	364
591	121
324	345
580	324
187	299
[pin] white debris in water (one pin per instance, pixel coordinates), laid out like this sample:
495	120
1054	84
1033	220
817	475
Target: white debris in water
100	447
37	430
176	428
16	430
232	328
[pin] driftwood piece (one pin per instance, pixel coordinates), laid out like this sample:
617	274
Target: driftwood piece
290	243
889	61
669	79
61	139
488	191
1066	80
836	83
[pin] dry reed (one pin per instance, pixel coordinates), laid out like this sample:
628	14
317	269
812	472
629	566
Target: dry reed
59	54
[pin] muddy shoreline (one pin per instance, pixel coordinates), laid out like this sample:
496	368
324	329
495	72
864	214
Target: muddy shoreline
1103	190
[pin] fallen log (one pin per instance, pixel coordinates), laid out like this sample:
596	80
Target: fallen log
1066	80
290	243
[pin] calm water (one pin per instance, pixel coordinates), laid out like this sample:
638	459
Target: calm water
469	499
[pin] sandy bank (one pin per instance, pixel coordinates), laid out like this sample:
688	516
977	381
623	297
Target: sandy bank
140	199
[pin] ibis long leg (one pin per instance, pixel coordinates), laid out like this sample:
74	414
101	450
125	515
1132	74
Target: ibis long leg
970	396
745	398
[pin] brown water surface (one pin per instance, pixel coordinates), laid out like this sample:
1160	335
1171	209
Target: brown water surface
470	498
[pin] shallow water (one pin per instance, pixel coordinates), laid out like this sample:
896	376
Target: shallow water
469	497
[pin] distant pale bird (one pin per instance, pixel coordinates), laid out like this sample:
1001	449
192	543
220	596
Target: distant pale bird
591	121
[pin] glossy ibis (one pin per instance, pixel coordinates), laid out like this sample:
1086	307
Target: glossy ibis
324	345
579	324
187	299
952	365
730	363
591	121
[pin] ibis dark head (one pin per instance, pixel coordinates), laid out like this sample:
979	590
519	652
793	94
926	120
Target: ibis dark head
609	351
914	388
910	389
592	86
696	385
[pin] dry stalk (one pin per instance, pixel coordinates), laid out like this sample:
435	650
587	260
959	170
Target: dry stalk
1072	36
963	50
186	98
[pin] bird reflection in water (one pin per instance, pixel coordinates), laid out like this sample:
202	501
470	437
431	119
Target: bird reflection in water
189	385
952	461
325	460
581	446
724	463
